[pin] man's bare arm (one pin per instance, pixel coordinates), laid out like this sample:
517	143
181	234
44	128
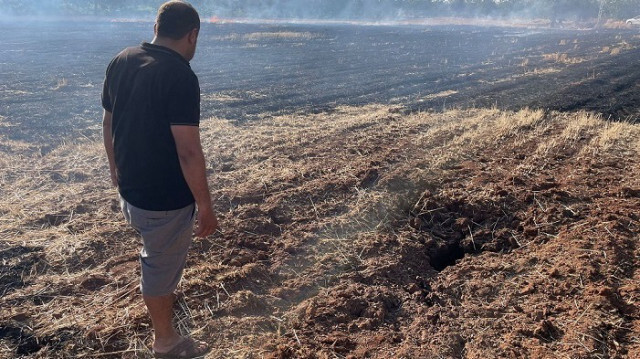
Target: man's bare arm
108	146
193	166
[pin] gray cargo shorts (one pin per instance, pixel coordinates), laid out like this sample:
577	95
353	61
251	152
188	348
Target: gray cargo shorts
166	237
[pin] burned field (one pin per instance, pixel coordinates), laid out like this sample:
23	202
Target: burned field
51	73
384	192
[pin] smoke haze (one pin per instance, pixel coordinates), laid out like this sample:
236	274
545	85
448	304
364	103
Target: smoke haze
331	9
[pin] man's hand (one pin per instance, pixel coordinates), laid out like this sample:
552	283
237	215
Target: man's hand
193	166
108	146
114	177
206	222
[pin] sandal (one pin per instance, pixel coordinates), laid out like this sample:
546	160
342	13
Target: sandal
187	348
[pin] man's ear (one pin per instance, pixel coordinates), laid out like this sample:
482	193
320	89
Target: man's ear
155	29
193	35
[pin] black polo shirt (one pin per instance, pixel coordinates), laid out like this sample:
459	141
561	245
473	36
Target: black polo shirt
148	89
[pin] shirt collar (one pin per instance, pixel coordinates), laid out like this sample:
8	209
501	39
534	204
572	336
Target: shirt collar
153	47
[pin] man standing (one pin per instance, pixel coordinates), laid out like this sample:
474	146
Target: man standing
151	101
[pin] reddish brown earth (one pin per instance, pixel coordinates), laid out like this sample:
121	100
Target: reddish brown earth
550	251
361	233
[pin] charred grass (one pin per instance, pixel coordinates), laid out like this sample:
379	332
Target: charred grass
352	233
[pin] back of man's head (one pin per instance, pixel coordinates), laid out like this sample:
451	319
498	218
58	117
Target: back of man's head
175	19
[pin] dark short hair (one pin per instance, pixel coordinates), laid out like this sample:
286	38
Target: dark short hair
175	19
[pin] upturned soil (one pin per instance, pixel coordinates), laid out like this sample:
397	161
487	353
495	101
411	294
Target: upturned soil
359	233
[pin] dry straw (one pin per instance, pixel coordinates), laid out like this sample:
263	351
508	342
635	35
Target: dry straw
349	175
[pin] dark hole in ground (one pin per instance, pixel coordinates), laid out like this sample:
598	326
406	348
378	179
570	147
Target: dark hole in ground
445	256
453	225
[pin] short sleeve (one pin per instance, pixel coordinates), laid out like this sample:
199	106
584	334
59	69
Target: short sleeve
106	100
106	96
183	104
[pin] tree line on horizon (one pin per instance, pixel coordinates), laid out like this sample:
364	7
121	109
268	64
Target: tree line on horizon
336	9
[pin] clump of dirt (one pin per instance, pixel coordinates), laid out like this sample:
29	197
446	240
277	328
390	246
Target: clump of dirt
356	233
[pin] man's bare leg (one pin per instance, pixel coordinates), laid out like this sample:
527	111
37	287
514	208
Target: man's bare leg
165	336
161	313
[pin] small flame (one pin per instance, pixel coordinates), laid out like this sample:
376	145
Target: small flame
218	20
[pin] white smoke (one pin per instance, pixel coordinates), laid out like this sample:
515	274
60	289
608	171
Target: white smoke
327	9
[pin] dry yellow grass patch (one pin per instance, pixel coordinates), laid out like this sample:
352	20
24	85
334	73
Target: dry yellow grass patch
580	126
439	95
219	97
617	137
619	48
562	58
544	71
